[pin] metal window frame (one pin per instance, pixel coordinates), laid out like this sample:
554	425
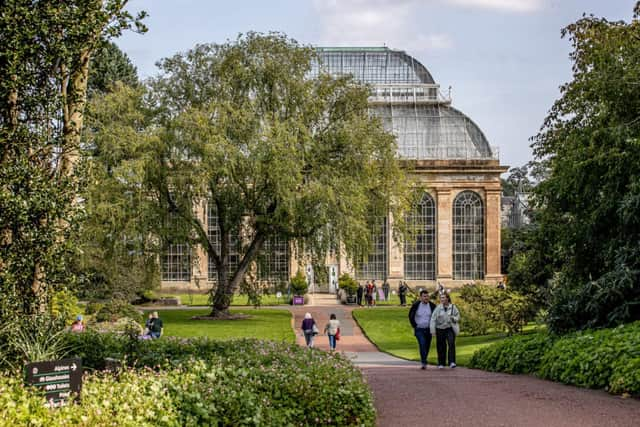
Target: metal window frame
468	238
420	253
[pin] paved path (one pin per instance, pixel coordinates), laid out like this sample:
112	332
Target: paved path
407	396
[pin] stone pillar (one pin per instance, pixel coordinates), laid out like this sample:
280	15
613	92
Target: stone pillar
444	232
344	264
493	247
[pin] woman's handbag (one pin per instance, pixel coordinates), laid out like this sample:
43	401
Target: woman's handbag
338	334
456	328
455	325
315	330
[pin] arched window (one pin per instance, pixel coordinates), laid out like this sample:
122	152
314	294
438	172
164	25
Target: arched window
420	250
468	237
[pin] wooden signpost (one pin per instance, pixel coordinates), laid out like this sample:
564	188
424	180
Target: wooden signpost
58	380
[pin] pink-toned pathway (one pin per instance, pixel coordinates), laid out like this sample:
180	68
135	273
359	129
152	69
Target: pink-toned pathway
407	396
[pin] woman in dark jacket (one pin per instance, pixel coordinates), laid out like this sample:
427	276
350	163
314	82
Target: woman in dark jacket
307	329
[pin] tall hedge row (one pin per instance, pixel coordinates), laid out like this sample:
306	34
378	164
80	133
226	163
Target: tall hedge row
605	358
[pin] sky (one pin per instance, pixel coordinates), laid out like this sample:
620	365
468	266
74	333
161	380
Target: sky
503	59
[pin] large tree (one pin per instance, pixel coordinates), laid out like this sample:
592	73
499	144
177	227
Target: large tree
271	149
45	48
114	258
589	203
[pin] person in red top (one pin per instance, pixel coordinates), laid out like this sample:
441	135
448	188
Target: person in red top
369	294
77	325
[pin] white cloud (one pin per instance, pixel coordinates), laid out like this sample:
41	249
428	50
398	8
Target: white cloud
521	6
376	23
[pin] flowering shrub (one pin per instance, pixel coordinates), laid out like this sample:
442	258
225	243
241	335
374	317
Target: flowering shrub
133	399
116	309
202	382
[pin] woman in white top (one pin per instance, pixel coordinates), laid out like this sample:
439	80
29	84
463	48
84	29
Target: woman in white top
444	318
331	330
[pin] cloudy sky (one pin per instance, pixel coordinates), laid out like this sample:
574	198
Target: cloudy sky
504	59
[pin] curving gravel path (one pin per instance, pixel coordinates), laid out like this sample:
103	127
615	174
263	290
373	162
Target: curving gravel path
407	396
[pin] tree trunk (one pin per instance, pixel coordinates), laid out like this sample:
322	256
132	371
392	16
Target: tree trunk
75	100
226	288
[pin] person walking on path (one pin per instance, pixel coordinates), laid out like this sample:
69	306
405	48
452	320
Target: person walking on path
420	315
402	292
309	329
444	319
332	330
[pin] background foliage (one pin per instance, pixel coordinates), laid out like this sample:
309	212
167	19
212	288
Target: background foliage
583	251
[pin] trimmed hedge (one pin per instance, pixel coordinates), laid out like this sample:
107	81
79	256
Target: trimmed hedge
520	354
201	382
605	358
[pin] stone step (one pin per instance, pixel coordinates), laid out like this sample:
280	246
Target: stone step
323	300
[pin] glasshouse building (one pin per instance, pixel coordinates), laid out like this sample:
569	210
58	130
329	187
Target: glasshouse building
459	213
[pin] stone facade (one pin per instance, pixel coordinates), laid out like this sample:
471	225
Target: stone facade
447	153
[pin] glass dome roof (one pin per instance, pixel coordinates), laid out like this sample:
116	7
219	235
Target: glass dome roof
374	65
406	98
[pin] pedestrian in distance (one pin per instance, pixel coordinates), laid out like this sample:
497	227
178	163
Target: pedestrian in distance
332	329
359	294
444	324
78	324
374	293
385	289
147	325
420	317
369	294
156	326
402	293
309	329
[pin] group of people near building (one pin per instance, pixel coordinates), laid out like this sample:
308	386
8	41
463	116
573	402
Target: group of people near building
367	294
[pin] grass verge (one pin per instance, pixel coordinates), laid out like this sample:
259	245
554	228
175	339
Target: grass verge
200	299
389	329
262	324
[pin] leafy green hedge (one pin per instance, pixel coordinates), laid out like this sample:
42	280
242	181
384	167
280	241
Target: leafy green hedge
520	354
606	358
485	307
132	399
205	382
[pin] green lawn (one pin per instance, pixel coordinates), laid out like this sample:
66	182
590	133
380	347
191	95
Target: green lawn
389	329
263	323
200	299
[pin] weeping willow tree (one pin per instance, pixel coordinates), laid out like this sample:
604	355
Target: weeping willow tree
273	151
